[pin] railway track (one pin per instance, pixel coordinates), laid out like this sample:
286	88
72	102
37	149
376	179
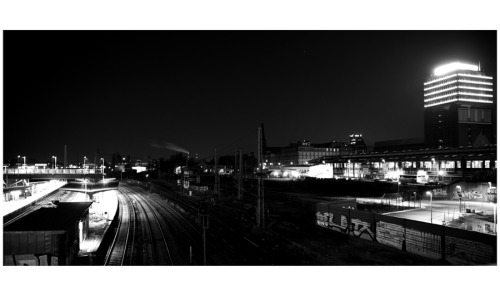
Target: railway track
140	238
226	245
122	247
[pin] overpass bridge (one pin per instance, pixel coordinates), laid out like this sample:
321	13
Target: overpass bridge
90	187
49	174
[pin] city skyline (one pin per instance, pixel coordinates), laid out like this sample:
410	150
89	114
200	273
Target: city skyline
135	91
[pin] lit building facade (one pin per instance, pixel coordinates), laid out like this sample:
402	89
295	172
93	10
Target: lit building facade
459	107
433	165
302	152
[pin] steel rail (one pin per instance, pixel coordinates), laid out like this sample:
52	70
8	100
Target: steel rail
127	246
144	203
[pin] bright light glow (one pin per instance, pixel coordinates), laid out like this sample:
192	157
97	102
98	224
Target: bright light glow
475	76
478	88
440	103
474	94
440	97
321	171
393	175
474	100
441	173
458	93
474	82
439	85
453	67
428	193
439	91
439	79
139	169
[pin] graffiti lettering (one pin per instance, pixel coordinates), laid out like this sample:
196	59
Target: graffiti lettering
362	229
326	220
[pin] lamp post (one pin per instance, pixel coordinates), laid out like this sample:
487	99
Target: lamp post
494	217
84	159
430	194
102	168
432	167
55	161
122	169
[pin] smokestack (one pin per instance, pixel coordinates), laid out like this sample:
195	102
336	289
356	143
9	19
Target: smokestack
65	157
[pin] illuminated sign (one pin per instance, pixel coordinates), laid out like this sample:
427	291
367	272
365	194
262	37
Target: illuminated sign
454	66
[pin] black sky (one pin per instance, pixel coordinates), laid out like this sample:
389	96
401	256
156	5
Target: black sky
117	91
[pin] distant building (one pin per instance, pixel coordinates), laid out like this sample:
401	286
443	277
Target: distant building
357	144
459	107
302	152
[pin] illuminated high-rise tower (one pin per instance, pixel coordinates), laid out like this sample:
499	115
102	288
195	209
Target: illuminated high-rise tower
459	107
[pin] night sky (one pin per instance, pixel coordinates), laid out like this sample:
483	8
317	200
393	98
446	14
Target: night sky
123	91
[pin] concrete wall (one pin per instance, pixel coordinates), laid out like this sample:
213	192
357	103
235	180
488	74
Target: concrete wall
437	242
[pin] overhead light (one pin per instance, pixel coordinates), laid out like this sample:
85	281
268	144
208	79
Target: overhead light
453	67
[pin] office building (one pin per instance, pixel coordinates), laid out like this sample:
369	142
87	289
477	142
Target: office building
459	107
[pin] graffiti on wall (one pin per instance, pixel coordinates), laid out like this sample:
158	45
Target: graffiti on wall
417	239
327	220
356	228
30	260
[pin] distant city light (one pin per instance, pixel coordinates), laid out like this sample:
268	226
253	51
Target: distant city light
454	66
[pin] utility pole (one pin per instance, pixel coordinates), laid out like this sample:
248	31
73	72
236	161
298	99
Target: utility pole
216	173
240	176
235	170
65	157
260	184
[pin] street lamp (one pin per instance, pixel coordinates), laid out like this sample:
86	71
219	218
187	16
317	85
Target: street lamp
102	168
55	161
84	159
430	194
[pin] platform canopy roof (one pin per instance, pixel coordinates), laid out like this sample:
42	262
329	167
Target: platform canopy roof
58	217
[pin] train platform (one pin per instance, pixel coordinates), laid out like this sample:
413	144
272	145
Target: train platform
101	215
8	207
